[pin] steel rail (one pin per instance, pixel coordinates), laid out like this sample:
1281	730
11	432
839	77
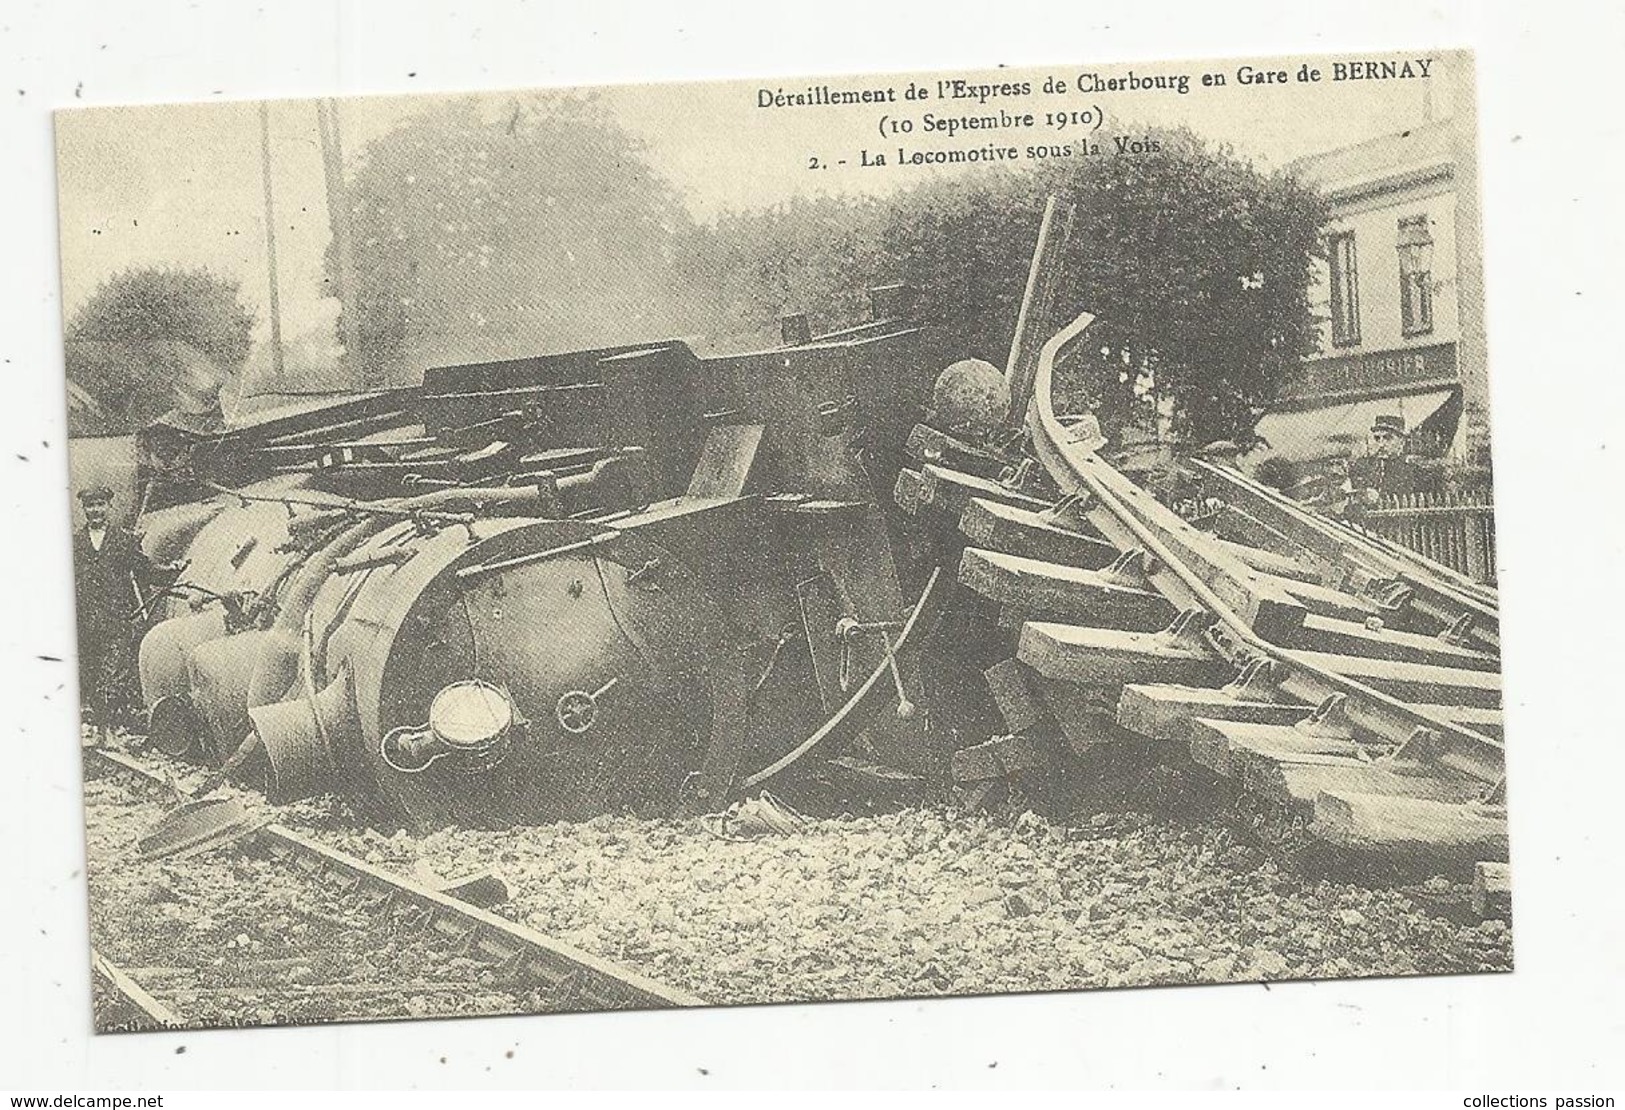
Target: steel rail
1081	473
133	993
596	982
1440	599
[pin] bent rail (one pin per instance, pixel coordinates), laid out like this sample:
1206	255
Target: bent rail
1439	593
1130	518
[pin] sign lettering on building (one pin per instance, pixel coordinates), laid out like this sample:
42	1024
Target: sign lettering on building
1376	370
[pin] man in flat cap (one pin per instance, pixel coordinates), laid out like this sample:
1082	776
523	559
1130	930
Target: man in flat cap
111	576
1388	471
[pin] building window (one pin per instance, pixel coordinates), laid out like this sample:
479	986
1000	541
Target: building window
1345	280
1415	275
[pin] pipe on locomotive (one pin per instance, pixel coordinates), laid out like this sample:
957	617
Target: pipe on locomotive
261	670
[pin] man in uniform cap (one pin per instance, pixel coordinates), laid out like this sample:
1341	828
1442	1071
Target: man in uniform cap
110	584
1388	471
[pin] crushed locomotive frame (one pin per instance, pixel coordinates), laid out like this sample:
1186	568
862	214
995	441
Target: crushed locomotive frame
634	578
551	587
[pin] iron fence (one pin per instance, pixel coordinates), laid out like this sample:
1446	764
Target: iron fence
1455	529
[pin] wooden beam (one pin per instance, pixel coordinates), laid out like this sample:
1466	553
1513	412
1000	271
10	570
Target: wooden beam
1166	712
1270	561
1062	592
906	491
1130	517
1438	835
1001	527
1109	657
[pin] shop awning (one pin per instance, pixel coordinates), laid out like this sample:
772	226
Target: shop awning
1341	430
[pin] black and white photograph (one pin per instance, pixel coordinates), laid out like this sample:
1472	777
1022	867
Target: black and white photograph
753	542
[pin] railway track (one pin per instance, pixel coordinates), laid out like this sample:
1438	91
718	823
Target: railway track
321	935
1345	681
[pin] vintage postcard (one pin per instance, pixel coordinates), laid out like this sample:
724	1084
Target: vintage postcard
784	540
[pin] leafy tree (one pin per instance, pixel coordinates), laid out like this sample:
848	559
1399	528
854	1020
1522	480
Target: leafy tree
144	332
1196	265
479	236
1198	268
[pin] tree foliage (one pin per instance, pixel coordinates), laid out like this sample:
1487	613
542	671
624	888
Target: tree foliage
483	235
1196	265
480	236
141	333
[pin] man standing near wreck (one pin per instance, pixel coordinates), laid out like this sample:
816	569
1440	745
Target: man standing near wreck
1388	471
110	583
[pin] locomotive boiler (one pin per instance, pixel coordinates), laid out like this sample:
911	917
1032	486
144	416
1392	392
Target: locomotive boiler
545	588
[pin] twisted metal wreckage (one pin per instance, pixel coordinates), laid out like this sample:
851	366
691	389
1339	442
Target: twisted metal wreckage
632	577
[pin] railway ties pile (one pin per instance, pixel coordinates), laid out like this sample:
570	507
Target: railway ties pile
1348	683
279	927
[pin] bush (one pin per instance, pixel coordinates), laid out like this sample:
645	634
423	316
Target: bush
145	332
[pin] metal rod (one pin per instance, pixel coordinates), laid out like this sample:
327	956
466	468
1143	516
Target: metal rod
346	506
338	218
270	242
479	569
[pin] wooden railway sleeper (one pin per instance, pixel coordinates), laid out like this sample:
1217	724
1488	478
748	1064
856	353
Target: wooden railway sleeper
1075	502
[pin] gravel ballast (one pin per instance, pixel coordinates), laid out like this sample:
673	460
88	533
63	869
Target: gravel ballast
930	903
229	938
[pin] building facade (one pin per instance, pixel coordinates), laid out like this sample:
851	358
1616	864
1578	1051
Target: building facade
1399	297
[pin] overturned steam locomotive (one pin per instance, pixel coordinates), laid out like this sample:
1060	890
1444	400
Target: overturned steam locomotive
545	588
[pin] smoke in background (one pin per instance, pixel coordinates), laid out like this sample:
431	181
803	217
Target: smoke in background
484	232
485	228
